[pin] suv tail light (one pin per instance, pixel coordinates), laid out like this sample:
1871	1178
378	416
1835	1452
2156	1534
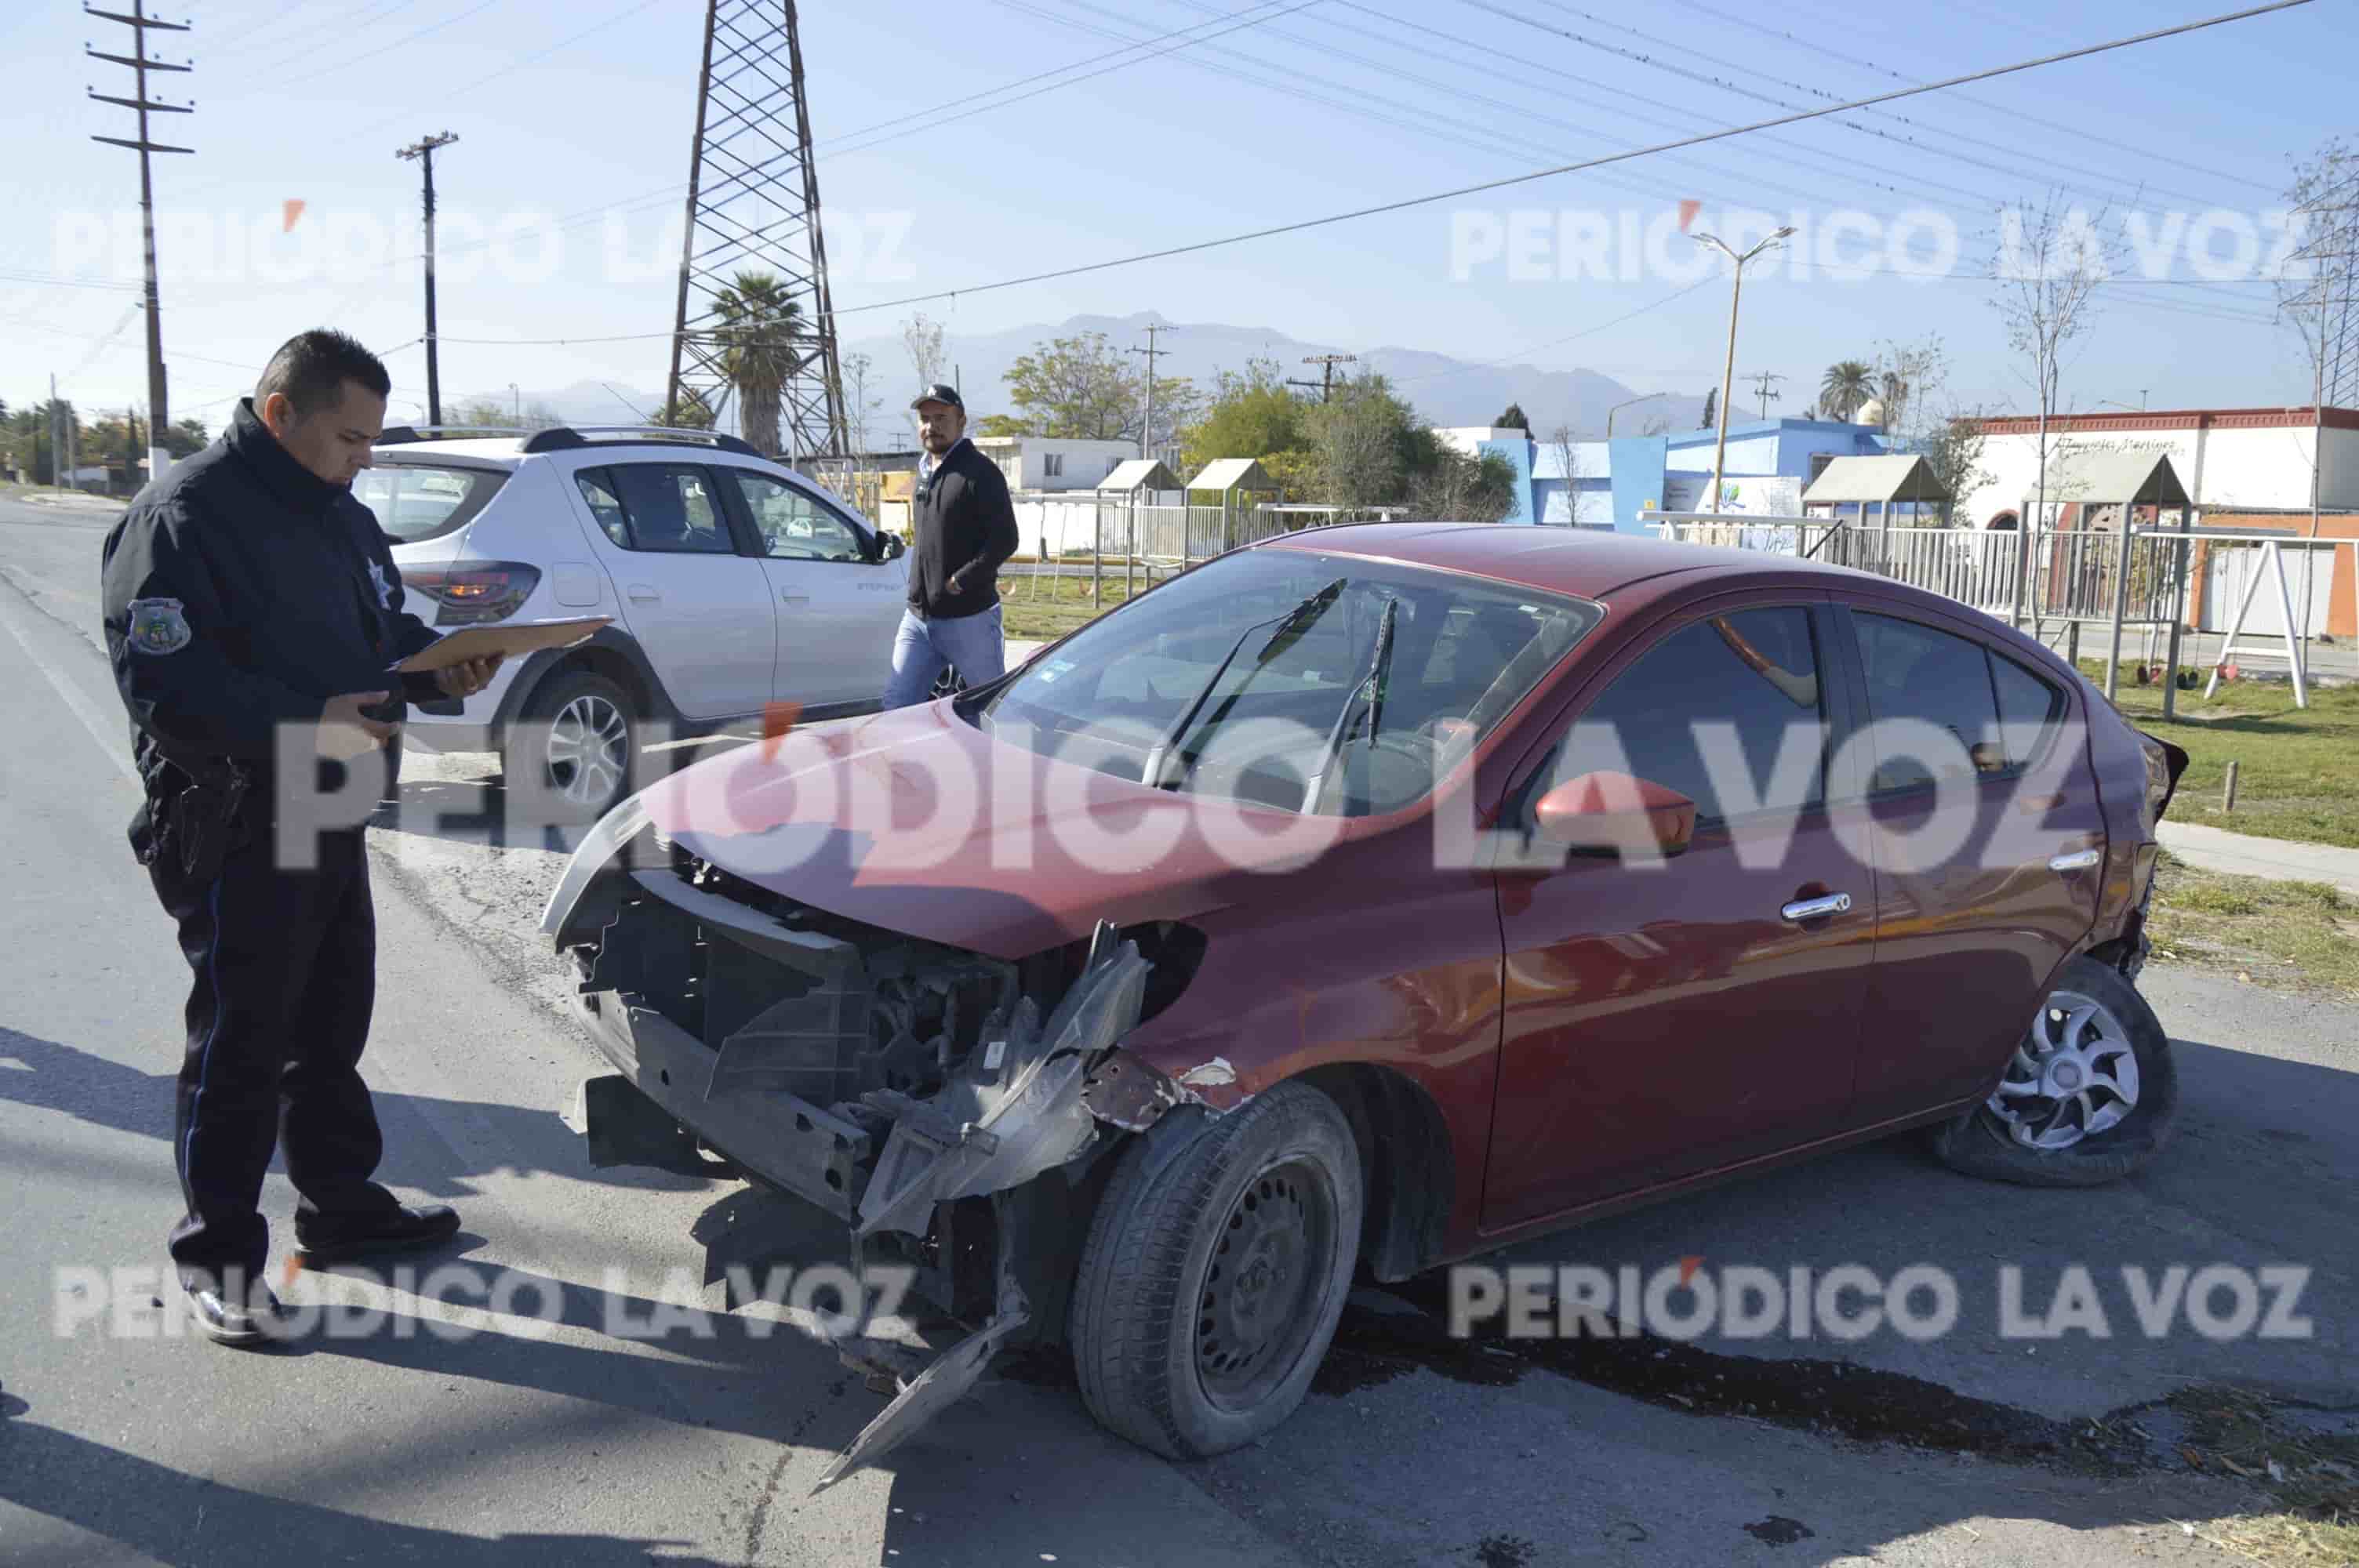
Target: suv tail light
469	593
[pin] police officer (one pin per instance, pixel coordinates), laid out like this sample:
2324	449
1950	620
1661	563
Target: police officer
253	613
962	529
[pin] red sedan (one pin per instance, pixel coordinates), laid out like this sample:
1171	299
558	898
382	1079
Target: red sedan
1371	898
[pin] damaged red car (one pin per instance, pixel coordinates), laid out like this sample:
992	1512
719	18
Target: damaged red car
1364	900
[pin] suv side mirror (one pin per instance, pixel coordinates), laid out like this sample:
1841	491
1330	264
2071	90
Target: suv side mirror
893	549
1604	812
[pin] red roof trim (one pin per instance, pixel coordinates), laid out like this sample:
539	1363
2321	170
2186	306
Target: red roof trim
2178	419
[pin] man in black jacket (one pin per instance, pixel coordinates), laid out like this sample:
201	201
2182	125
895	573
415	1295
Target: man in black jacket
964	528
252	608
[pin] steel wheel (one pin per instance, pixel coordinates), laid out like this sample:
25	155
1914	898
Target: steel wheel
1261	1293
2074	1076
588	750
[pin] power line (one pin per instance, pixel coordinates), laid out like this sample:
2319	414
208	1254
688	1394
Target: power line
1791	85
2062	127
910	123
1406	203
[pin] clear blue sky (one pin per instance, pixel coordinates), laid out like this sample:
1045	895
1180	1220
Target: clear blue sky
1332	106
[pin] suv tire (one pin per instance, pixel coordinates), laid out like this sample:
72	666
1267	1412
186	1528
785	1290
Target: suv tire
571	753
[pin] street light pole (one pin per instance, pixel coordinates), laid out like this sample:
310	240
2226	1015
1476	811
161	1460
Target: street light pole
1728	370
1619	406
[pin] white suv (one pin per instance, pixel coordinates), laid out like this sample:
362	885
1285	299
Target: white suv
733	583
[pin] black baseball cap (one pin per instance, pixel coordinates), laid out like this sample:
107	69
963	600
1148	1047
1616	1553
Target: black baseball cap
941	392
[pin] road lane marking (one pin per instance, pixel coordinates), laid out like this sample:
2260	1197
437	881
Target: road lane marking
113	735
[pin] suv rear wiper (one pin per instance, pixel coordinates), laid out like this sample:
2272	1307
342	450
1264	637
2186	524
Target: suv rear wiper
1371	686
1290	628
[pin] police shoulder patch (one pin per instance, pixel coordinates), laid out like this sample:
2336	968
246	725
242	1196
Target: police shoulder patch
158	626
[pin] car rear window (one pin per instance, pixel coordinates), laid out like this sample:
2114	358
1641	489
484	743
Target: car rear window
1997	711
416	502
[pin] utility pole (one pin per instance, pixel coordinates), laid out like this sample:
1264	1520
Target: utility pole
1326	382
139	22
1728	370
1147	429
1767	396
423	152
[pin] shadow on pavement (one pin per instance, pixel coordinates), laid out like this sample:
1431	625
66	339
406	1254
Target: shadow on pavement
153	1510
106	1093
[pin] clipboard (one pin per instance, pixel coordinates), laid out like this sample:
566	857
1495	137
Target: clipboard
514	640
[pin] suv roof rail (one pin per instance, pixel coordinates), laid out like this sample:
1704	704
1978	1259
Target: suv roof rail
401	435
563	438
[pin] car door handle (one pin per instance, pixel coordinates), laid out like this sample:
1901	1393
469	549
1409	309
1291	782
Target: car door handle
641	594
794	598
1817	908
2078	861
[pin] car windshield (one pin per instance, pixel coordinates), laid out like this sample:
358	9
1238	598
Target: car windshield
1270	676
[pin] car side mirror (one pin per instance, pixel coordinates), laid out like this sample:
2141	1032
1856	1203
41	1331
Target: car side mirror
1605	813
894	549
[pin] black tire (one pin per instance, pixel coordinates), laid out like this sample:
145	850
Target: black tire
1149	1308
571	754
1986	1143
949	683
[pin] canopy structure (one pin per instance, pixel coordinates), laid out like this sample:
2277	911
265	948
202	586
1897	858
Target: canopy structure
1882	483
1135	474
1234	476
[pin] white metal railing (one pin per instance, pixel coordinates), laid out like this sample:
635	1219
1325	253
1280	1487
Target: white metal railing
2075	575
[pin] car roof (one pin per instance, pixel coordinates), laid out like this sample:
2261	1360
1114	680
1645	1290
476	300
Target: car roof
1589	563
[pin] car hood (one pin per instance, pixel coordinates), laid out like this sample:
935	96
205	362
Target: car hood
918	822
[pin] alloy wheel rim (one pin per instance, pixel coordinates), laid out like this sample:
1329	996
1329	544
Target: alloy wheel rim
2074	1076
588	744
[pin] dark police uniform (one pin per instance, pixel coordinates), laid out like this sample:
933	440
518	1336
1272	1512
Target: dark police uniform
240	592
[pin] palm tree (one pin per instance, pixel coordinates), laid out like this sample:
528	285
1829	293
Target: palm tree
756	327
1895	392
1843	388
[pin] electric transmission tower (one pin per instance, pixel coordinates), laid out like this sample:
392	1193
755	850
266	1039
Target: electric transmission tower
753	208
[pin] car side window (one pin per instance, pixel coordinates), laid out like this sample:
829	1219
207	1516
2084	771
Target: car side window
1750	676
794	527
1937	678
666	508
598	489
2028	707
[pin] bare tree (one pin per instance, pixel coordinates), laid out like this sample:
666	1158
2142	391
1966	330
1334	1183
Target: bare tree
2051	258
860	404
1568	459
2316	292
923	338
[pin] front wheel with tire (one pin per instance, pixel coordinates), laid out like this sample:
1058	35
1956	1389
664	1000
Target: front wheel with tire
1213	1277
2088	1097
570	752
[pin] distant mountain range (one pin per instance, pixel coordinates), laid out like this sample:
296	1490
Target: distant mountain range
1445	390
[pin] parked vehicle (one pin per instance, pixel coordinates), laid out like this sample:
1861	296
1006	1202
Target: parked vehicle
1153	1082
733	582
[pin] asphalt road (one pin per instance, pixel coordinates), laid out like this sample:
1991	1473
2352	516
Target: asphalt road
517	1441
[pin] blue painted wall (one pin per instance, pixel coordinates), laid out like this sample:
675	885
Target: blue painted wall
1519	455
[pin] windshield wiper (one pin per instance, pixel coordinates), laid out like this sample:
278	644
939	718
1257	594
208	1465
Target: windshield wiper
1290	628
1372	687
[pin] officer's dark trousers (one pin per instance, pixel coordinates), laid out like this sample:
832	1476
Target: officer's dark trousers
285	977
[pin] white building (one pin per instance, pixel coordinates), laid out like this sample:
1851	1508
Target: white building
2230	459
1050	462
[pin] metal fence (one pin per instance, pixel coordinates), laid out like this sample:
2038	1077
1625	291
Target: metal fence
2074	575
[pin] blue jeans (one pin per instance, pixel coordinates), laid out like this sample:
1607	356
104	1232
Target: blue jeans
922	647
